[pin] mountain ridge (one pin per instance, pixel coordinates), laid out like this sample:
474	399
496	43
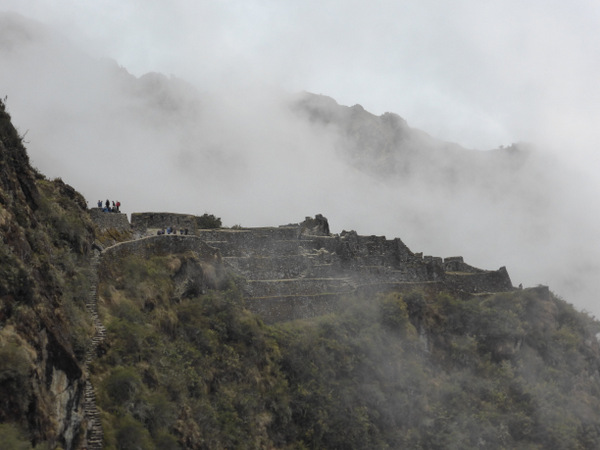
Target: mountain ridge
386	146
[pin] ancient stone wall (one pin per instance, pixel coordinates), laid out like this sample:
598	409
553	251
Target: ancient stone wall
288	274
457	264
106	220
373	250
256	241
480	282
277	267
151	220
298	286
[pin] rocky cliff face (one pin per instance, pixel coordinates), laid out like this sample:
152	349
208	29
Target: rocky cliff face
44	327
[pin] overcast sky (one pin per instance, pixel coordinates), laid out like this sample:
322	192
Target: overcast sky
482	74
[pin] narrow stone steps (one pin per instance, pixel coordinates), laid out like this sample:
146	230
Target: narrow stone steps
95	433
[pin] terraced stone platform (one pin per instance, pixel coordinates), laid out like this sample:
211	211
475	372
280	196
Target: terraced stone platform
290	274
302	270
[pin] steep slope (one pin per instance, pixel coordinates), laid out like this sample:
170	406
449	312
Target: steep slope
44	281
414	370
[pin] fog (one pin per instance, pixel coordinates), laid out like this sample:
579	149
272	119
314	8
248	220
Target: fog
216	134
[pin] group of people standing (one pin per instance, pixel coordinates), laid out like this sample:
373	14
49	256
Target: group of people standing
171	230
107	206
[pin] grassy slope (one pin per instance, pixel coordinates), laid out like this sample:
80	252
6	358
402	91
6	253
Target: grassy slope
510	371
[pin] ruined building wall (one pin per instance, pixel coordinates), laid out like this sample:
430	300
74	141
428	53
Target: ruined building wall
290	274
146	220
107	220
480	282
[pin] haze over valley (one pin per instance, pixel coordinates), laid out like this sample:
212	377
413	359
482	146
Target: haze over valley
256	151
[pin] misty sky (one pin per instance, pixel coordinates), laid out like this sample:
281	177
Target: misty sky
478	73
482	74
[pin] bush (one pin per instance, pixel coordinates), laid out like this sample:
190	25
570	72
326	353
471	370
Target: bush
11	438
208	221
394	314
166	441
128	340
8	133
161	414
123	385
131	435
14	378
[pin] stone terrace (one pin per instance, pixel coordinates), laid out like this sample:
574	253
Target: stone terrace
292	274
301	270
109	220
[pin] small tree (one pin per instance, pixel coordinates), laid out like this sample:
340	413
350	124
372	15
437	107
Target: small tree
208	221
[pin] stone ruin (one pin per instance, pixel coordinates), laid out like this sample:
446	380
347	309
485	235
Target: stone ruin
109	220
150	222
302	270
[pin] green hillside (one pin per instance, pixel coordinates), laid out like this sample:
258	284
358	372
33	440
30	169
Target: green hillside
516	370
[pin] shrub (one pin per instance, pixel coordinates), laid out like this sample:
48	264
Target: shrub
8	133
11	438
128	339
166	441
394	314
123	385
208	221
14	378
131	435
161	413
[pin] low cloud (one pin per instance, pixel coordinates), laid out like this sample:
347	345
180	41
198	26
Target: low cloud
237	149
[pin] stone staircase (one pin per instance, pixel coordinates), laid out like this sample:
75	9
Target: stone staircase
95	434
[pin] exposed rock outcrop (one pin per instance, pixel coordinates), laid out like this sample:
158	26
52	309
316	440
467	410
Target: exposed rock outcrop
319	226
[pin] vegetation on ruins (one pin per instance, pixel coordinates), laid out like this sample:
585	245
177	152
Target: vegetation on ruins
208	221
